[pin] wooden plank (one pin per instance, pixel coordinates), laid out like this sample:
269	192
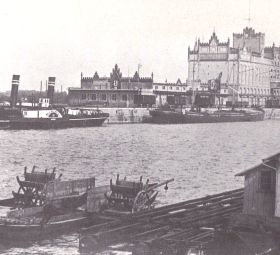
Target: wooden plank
67	188
64	197
30	184
96	199
25	212
192	209
246	220
126	191
39	177
65	217
135	185
188	204
206	211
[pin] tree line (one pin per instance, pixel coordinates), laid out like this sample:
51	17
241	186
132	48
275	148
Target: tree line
33	96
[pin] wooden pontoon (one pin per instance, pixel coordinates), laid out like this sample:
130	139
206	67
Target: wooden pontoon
172	229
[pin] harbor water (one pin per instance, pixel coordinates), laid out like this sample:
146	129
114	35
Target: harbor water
203	159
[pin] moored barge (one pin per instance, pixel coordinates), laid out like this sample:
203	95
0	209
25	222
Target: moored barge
168	116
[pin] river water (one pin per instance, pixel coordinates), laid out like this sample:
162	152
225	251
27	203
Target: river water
203	159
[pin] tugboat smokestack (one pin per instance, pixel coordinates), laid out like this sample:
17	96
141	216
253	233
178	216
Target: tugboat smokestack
50	94
14	91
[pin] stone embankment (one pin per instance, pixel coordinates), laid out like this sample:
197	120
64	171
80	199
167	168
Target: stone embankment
140	115
126	115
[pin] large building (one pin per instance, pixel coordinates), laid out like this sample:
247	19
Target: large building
113	91
250	71
178	93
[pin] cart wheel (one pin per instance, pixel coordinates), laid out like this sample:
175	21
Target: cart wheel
141	202
32	197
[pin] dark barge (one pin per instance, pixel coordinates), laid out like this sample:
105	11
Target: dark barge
202	110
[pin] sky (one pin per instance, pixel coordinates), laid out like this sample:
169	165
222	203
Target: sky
64	38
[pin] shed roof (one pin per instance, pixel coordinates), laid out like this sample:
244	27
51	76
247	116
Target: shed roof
247	171
271	157
266	162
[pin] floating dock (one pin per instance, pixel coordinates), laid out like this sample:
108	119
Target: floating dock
171	229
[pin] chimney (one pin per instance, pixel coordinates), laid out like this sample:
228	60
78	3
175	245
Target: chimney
50	93
14	91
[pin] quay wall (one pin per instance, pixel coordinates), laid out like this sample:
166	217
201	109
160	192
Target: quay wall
126	115
138	115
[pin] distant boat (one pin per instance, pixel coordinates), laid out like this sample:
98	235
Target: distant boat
201	113
46	117
43	115
165	116
54	118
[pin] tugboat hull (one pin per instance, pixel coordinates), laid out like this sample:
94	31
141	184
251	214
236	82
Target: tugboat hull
55	123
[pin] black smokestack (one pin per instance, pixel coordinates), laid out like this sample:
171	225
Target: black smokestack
14	91
50	93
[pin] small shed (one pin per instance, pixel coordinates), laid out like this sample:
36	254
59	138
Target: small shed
262	188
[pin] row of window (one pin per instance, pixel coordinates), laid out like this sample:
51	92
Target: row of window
254	91
104	97
170	87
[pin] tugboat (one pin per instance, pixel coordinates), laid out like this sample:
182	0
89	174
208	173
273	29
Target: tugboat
167	115
44	116
48	118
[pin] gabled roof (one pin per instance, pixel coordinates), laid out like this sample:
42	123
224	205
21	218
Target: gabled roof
247	171
268	162
271	157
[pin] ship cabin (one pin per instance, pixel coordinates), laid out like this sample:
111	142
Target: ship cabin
261	203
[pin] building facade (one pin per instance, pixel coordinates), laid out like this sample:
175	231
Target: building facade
172	93
250	71
112	91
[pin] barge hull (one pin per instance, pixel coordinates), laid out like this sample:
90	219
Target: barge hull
39	231
166	117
